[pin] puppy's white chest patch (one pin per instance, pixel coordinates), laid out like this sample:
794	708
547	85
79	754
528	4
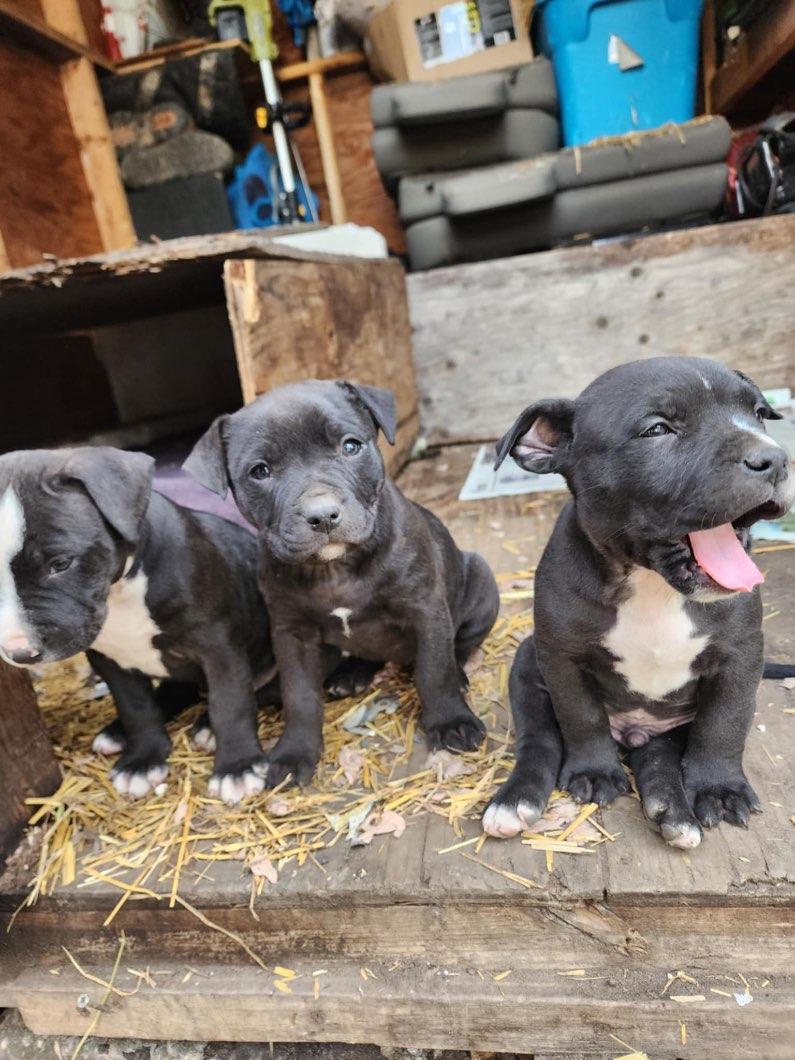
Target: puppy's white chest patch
12	538
654	638
344	615
129	629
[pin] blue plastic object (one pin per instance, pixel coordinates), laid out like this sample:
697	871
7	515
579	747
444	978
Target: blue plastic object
254	189
621	65
300	14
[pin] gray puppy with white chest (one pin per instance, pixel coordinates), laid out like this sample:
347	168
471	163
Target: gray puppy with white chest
648	616
92	560
346	561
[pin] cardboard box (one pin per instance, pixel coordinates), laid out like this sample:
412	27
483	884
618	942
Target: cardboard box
428	40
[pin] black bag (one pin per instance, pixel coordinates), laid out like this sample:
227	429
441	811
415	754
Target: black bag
766	173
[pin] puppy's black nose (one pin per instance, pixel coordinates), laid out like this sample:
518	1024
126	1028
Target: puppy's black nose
322	514
768	460
24	656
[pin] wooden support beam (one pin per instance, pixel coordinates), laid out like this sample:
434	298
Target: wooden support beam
92	131
27	763
332	64
324	131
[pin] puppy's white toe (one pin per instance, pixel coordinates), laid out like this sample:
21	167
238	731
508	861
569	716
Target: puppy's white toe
233	788
104	744
136	785
203	740
685	836
502	821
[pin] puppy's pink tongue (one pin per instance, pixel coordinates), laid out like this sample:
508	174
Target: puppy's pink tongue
724	559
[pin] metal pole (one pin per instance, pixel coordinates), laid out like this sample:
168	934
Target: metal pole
288	207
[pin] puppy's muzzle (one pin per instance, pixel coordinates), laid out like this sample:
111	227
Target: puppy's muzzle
18	651
322	512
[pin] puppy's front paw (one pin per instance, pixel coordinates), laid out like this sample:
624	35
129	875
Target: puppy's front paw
136	774
298	763
514	809
463	732
110	740
718	791
599	782
232	782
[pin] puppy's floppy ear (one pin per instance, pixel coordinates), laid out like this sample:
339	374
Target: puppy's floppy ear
766	410
379	403
206	462
119	484
539	438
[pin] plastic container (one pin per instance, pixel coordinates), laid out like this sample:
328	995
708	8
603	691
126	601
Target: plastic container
621	65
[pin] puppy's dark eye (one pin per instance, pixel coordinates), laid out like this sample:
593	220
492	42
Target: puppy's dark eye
351	446
656	430
59	564
259	471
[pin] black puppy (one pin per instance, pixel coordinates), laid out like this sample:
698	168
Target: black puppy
647	617
346	559
91	559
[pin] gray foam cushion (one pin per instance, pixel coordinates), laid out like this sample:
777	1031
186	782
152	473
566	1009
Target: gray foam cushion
597	210
474	190
511	183
531	86
513	135
670	147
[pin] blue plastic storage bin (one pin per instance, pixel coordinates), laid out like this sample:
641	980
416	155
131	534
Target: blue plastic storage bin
656	42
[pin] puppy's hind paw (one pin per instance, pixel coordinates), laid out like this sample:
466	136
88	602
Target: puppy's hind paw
594	785
202	737
505	821
462	733
677	825
110	740
297	766
240	782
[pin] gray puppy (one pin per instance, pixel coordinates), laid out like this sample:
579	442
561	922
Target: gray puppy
92	560
346	560
648	630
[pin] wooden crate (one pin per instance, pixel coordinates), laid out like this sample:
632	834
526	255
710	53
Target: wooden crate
320	320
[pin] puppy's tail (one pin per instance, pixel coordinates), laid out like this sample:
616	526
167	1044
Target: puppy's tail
776	671
539	750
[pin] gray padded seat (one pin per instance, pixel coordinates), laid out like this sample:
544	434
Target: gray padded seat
465	121
599	189
598	210
531	87
488	188
670	147
513	135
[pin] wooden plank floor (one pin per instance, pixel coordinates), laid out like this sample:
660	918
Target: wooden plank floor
435	929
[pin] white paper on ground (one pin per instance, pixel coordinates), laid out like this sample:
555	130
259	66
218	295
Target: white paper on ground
483	481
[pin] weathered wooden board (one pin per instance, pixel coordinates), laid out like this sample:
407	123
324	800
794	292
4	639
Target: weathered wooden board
309	320
122	285
421	1005
493	336
27	763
